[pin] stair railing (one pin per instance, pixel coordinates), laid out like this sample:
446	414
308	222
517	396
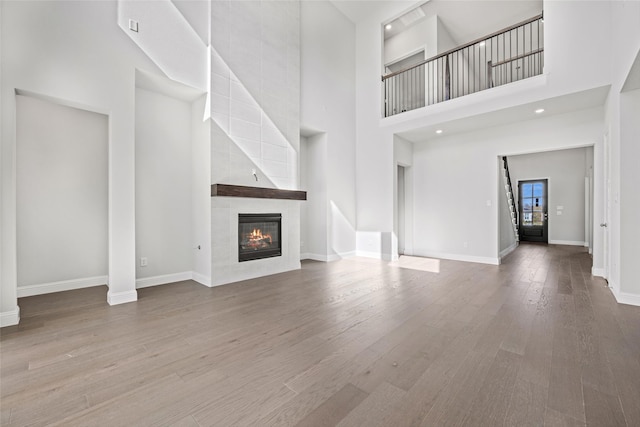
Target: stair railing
510	197
511	54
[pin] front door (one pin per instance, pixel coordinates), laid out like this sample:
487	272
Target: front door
533	210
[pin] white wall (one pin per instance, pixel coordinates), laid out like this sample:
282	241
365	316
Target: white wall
630	195
455	181
163	184
304	207
374	145
565	171
200	193
422	35
62	223
429	35
314	225
328	107
624	47
73	51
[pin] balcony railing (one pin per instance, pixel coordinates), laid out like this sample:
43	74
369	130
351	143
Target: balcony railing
511	54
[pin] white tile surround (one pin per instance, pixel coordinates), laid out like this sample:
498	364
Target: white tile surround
224	232
241	117
255	84
255	110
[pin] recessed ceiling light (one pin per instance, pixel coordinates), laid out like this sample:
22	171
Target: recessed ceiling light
439	131
388	26
481	44
539	111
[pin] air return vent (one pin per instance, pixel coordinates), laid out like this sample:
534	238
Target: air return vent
410	17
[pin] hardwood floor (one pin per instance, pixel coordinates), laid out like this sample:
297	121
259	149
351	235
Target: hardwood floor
535	341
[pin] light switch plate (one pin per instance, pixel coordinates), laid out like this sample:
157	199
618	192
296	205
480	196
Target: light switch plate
133	25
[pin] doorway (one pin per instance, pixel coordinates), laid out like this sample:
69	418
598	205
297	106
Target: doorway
401	210
532	204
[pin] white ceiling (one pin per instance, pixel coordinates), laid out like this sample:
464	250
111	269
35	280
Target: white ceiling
591	98
361	10
465	20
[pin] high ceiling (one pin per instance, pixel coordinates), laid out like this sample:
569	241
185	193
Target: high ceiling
465	20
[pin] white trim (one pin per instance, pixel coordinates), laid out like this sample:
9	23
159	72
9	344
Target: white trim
327	258
568	242
115	298
61	286
201	278
598	272
507	251
163	279
341	255
626	298
367	254
10	318
459	257
314	257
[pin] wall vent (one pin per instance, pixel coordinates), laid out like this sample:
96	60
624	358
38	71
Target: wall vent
410	17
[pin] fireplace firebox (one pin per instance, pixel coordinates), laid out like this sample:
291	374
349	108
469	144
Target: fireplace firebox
259	236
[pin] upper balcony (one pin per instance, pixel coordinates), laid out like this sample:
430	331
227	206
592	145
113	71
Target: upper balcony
505	56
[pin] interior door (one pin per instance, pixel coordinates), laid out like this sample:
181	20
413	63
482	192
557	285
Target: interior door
532	203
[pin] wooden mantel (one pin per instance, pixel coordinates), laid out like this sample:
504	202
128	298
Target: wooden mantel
227	190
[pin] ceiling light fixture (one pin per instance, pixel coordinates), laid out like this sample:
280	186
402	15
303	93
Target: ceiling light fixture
388	26
439	131
539	111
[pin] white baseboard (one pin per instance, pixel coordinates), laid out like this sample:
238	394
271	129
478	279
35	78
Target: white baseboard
314	257
341	255
115	298
567	242
598	272
461	257
327	258
201	278
508	250
367	254
625	298
10	318
64	285
163	279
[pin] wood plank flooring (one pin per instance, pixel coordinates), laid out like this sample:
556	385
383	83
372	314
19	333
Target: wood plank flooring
358	342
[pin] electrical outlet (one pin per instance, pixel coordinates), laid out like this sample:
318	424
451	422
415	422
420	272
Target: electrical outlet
465	244
143	261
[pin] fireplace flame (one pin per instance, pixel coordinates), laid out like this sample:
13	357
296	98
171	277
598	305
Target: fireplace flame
258	240
257	235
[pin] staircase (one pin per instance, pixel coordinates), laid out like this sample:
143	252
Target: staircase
510	197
